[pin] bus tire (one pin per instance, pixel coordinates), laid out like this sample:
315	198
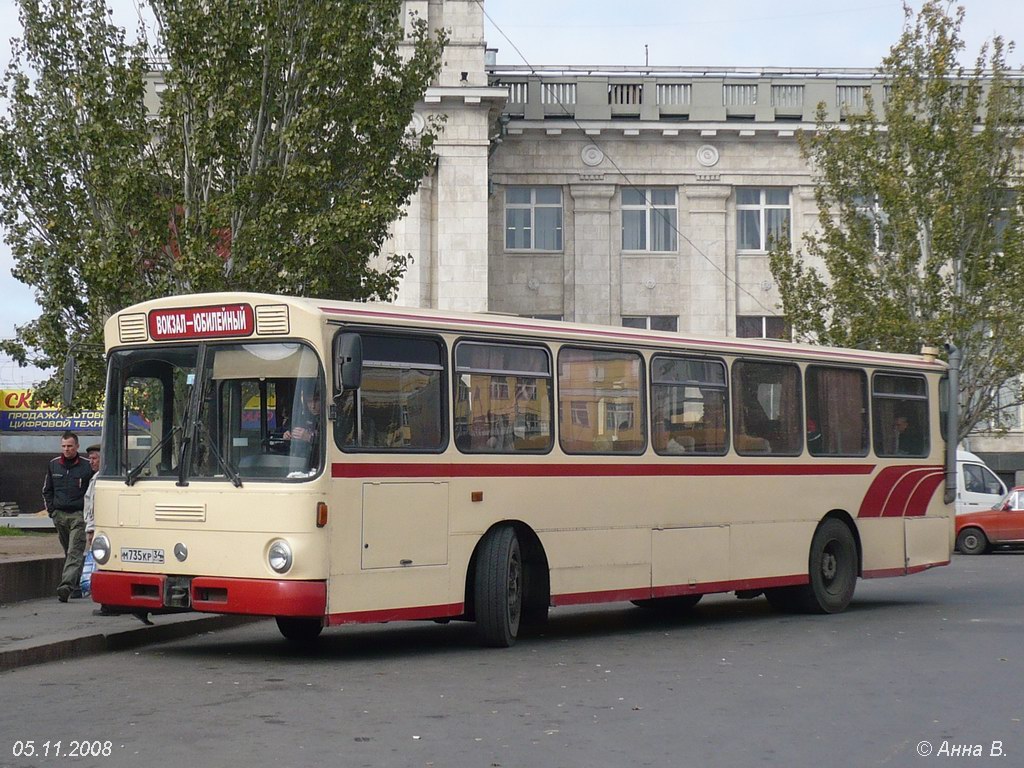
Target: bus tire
833	570
674	604
299	630
498	591
972	541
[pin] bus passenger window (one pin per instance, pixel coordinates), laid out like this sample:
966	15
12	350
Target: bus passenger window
399	403
837	411
502	398
766	401
600	408
900	415
688	409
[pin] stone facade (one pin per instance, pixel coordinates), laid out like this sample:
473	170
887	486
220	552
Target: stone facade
711	141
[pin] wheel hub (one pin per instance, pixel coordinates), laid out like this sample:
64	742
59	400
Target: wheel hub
828	566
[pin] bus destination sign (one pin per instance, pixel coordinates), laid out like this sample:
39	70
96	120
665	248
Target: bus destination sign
214	322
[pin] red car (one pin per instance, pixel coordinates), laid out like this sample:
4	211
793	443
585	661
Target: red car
977	532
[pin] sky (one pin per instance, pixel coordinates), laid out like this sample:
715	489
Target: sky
819	34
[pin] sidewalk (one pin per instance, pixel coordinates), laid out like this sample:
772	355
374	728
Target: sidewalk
39	631
43	630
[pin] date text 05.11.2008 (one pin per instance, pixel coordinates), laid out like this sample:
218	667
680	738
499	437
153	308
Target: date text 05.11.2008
70	748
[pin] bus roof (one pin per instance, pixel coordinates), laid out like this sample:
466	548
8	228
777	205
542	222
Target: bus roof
325	310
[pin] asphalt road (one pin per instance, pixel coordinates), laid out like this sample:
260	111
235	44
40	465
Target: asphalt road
930	663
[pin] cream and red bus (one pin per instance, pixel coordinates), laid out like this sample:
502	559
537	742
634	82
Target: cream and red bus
327	463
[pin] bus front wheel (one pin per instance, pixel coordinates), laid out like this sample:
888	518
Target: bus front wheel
498	588
299	630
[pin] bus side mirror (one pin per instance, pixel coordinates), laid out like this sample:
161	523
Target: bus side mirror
68	392
348	362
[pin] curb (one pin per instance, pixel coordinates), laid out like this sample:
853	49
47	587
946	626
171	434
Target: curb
29	577
74	647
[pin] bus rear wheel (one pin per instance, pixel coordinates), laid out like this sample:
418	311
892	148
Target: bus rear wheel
498	588
299	630
833	570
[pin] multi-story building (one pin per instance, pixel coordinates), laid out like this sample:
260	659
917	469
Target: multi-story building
620	195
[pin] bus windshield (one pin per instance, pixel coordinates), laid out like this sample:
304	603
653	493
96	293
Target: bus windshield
225	412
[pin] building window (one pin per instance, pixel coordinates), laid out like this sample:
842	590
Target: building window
652	322
762	216
533	219
762	327
649	219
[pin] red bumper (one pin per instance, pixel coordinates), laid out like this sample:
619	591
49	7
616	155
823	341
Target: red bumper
211	594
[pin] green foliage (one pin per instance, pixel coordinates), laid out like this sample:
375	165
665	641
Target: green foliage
275	158
920	237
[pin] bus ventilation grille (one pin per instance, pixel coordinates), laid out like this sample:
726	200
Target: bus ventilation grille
132	328
191	513
272	320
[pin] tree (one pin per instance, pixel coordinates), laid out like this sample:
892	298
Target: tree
920	231
275	159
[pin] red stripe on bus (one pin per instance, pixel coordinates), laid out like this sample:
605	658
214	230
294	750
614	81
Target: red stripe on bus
922	495
646	593
396	614
709	587
897	503
884	573
395	469
883	484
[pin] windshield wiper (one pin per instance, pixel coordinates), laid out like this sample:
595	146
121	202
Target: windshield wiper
235	479
134	472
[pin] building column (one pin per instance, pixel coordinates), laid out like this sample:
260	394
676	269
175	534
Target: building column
588	297
711	302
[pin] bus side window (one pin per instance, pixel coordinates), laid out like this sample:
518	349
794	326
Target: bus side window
600	407
767	408
502	398
837	411
899	405
688	397
400	402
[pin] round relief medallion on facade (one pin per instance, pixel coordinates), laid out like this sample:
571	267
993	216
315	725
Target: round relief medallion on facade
416	125
707	156
591	155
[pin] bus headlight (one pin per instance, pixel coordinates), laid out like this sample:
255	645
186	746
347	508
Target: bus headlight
101	549
279	555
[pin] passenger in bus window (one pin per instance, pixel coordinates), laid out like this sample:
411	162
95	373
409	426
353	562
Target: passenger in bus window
908	437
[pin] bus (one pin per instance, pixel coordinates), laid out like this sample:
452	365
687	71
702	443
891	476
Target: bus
327	463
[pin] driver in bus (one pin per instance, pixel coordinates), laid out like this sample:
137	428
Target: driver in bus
304	432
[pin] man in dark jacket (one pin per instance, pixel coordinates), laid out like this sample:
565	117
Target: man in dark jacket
67	480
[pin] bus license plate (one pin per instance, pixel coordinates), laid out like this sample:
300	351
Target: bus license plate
141	555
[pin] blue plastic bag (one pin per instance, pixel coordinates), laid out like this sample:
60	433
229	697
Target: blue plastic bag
87	568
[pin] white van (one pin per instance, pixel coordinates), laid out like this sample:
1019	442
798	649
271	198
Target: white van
977	486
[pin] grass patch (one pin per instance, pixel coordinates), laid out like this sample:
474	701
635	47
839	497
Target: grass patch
8	531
